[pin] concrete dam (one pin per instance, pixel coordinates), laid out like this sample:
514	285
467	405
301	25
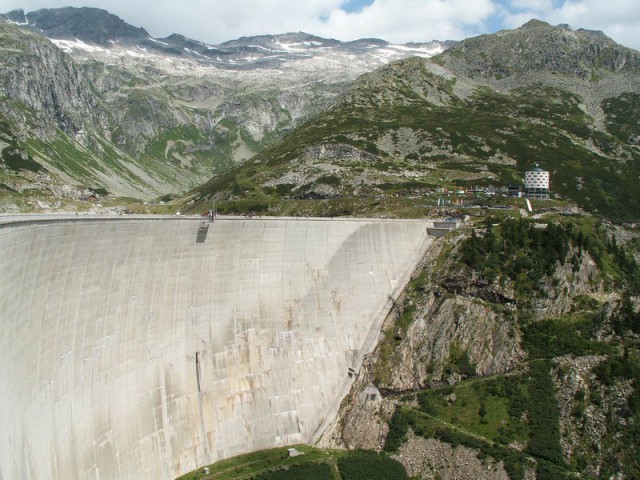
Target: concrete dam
147	347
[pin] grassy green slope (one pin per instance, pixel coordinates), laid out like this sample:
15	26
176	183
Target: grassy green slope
313	464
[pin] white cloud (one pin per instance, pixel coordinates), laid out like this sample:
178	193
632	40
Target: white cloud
219	20
410	20
216	21
531	4
393	20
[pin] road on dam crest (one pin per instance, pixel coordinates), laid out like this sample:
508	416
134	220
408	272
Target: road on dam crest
147	347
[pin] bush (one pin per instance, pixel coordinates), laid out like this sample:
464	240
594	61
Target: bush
370	466
100	191
625	317
331	180
544	418
559	336
398	428
19	161
165	198
459	360
307	471
517	251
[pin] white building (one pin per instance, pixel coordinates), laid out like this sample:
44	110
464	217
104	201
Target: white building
536	183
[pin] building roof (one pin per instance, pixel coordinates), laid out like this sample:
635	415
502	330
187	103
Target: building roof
537	169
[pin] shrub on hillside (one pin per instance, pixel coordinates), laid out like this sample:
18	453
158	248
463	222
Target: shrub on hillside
307	471
370	466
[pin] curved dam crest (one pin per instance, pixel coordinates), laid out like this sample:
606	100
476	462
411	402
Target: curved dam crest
145	348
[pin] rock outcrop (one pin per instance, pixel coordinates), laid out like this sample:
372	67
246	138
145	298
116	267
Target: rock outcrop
452	324
431	459
39	75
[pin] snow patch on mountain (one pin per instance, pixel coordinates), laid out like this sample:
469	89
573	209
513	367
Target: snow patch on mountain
68	46
420	52
260	47
158	41
20	24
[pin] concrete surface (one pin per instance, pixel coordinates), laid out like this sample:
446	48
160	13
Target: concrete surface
445	224
143	348
437	232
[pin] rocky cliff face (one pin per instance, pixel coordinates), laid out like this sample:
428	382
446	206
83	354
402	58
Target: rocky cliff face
583	61
422	354
455	337
443	326
87	24
37	74
539	47
446	321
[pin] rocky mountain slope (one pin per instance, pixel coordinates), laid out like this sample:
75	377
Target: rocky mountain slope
481	113
513	354
102	105
91	25
85	28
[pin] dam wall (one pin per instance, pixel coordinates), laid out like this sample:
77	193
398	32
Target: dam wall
145	348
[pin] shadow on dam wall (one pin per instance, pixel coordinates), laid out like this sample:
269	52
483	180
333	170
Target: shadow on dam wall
129	350
203	229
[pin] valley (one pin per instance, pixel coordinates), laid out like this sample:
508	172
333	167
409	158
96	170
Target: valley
139	117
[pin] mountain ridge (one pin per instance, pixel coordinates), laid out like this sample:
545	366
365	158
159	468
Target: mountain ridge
539	46
167	114
417	125
481	111
86	23
100	27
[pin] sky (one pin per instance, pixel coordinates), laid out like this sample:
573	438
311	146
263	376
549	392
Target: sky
398	21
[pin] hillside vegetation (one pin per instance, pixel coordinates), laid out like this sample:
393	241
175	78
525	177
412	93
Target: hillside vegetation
310	464
99	104
477	114
520	342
